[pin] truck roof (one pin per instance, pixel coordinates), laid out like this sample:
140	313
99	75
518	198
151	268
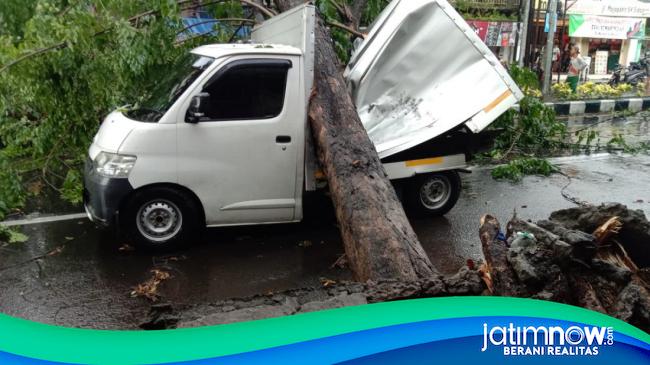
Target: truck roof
220	50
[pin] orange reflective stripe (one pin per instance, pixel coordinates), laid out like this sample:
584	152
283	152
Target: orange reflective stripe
426	161
497	101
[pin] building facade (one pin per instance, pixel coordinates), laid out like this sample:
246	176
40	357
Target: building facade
496	22
609	32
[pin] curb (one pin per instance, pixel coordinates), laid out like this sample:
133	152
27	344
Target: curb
580	107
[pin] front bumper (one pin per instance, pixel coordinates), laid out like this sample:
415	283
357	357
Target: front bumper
102	196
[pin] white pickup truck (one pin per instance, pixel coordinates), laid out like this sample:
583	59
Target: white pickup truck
224	138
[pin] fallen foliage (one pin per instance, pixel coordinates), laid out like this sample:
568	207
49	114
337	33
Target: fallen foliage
9	235
149	289
56	251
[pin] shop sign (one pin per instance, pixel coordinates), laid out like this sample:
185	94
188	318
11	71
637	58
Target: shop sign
618	8
594	26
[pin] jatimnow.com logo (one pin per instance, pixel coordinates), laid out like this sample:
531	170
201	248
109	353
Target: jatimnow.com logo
547	340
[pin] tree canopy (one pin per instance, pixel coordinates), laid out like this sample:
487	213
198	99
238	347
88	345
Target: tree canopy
65	64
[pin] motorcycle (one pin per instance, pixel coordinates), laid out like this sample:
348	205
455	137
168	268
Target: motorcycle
634	74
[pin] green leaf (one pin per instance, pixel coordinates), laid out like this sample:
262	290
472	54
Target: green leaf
515	170
17	237
9	235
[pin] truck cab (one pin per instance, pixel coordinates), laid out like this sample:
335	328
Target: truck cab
224	140
220	142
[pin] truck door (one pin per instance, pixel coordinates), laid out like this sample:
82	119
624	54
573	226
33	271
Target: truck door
241	157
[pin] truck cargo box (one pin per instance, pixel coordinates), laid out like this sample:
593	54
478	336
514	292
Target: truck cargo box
421	72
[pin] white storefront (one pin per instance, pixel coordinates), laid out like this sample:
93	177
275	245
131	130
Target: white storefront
621	21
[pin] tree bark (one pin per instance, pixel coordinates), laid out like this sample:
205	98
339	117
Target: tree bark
503	278
379	241
358	7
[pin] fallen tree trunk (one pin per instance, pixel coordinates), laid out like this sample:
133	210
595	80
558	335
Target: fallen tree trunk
379	241
161	316
562	261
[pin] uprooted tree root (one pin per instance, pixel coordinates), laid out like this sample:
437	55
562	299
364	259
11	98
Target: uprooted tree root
592	257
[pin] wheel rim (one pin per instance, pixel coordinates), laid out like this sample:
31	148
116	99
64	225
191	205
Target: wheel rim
159	220
435	192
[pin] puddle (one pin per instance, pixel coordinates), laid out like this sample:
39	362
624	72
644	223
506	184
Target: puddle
635	129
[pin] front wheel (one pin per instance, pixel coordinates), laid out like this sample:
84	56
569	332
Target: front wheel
160	219
433	194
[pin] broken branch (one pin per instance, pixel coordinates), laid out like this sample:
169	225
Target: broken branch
347	29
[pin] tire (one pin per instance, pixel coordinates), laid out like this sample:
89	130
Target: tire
433	194
161	219
637	81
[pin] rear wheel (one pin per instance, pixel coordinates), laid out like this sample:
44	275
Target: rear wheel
433	194
161	219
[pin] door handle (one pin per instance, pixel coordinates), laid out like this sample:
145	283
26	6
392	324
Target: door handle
283	139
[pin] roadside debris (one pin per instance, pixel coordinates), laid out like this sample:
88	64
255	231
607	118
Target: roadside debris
36	259
149	289
56	251
341	262
161	316
126	248
167	259
11	236
594	257
326	283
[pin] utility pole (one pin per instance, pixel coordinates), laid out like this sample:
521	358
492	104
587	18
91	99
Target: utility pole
524	31
548	51
562	44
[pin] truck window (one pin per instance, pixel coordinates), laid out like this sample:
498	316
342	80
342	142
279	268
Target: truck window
250	89
176	78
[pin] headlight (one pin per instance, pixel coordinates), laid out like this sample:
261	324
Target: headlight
114	165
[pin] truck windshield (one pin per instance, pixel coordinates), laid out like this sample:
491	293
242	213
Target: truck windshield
177	78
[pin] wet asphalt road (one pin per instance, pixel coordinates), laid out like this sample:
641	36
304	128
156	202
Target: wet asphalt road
70	273
635	129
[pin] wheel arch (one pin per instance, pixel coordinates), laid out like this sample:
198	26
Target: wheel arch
178	187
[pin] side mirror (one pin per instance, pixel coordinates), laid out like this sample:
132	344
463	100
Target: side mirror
196	110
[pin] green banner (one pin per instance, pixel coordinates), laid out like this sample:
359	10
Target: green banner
604	27
575	22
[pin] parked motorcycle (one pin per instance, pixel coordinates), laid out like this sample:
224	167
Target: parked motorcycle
634	74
